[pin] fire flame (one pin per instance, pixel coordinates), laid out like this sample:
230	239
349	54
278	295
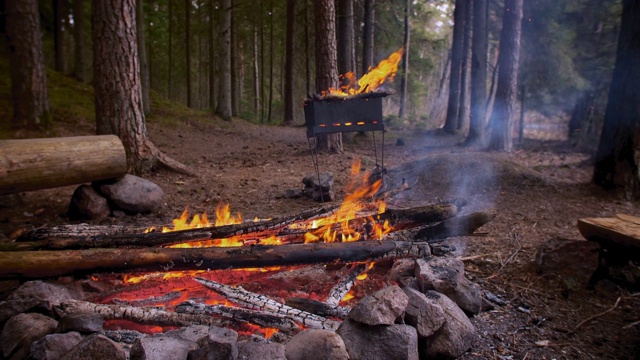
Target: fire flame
370	81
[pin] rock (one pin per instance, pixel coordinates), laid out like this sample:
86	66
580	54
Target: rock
132	193
11	307
454	337
393	342
21	331
380	308
423	313
326	181
320	196
161	347
54	346
293	193
87	204
53	294
316	345
197	336
253	350
403	273
446	275
222	344
83	323
96	347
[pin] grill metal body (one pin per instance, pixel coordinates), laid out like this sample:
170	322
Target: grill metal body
343	115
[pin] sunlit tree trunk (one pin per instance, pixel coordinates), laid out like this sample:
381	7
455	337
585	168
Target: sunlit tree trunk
28	78
405	59
478	73
142	53
618	157
118	93
224	95
326	63
79	63
504	112
455	83
290	66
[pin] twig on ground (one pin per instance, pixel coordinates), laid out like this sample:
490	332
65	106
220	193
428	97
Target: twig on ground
512	257
629	326
473	257
597	315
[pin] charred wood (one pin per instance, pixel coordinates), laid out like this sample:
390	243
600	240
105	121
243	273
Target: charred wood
260	302
458	226
39	264
318	307
163	299
339	290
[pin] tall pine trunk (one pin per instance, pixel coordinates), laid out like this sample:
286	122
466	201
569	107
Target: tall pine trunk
455	79
224	95
256	74
235	87
345	37
326	64
290	66
478	73
170	60
187	50
271	52
405	60
79	61
59	14
463	108
142	53
28	78
504	112
367	35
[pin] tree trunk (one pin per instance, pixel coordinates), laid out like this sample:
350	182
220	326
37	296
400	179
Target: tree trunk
34	164
307	47
507	92
28	78
117	86
478	73
271	52
290	66
405	60
224	95
187	49
367	35
256	74
59	14
326	64
618	155
235	88
170	62
463	109
142	53
457	60
212	67
345	37
79	64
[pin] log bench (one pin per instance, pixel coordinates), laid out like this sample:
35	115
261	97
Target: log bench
33	164
619	240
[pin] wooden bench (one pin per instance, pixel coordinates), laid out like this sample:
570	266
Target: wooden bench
619	239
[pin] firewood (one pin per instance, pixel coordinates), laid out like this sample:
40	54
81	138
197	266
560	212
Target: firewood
318	307
462	225
339	290
39	264
255	317
260	302
151	316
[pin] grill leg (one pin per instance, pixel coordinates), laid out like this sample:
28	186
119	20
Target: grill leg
316	165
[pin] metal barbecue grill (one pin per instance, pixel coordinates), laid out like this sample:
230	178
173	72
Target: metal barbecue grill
345	114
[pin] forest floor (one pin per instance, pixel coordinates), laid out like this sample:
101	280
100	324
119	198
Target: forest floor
531	255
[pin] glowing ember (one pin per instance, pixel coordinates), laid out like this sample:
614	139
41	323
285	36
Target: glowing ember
370	81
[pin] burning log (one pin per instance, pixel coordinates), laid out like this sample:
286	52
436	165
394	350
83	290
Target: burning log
339	290
398	218
260	318
38	264
457	226
263	303
151	316
318	307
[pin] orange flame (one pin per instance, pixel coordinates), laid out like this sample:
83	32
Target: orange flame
370	81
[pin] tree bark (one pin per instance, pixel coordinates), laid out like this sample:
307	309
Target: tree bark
290	66
59	14
235	62
618	155
212	67
256	74
170	60
463	109
405	60
26	59
142	53
345	37
34	164
326	64
79	64
224	95
367	35
118	94
271	52
187	50
507	92
478	73
455	83
39	264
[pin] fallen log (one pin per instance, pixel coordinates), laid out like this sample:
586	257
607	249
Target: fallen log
33	164
39	264
259	318
151	316
260	302
398	218
461	225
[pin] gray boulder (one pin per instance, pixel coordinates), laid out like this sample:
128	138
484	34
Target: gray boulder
222	344
380	308
83	323
87	204
161	347
132	194
254	350
96	347
423	313
316	345
21	331
54	346
382	342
